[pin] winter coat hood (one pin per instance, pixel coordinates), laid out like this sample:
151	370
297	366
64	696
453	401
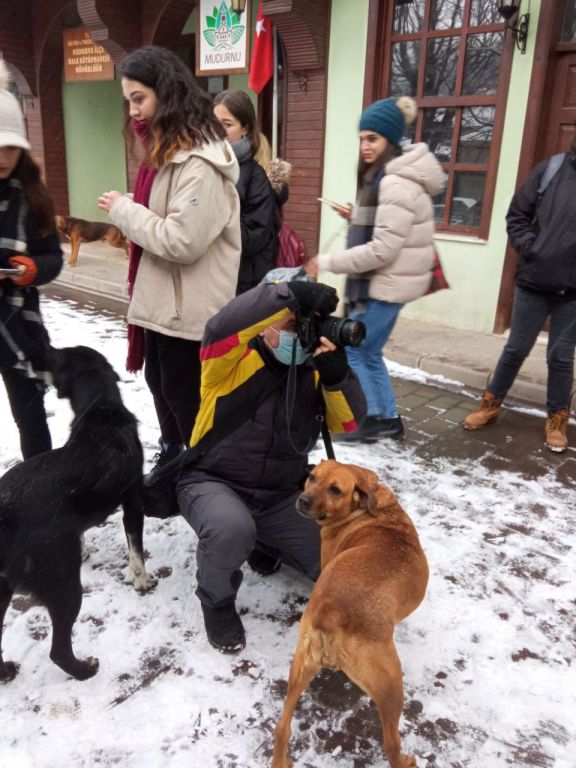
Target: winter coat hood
218	153
279	173
418	164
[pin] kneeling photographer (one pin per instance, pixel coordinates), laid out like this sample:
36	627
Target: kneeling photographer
269	379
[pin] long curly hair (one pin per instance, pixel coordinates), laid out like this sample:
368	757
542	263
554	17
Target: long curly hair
184	117
37	196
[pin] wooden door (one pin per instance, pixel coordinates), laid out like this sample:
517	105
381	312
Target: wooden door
561	127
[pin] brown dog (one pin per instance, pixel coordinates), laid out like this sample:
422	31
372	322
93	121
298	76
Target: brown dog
374	574
81	231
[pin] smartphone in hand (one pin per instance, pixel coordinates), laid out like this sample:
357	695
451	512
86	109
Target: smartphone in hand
345	211
330	202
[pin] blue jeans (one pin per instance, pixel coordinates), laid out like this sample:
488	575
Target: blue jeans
367	362
529	312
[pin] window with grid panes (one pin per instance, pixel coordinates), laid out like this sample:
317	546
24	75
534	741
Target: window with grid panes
569	26
447	54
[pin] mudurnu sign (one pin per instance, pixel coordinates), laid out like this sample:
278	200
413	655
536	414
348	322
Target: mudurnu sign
222	39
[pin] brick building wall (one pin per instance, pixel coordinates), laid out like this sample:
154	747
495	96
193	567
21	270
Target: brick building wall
31	43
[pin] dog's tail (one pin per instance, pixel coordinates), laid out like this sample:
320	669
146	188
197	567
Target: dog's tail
116	238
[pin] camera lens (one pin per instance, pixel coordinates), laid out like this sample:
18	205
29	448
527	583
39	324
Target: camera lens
352	333
343	332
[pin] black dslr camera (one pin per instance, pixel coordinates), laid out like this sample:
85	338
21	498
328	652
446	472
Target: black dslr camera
340	331
314	320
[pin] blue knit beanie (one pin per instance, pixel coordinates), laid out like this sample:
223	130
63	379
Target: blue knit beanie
388	117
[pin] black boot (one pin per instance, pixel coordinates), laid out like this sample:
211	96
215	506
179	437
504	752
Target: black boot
224	628
263	563
373	428
393	428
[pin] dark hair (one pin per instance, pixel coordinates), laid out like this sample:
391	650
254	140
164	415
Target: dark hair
40	203
240	105
184	117
367	171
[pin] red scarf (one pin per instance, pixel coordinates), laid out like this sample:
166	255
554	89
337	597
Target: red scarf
146	175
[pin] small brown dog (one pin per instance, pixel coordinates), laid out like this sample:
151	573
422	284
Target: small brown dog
374	574
81	231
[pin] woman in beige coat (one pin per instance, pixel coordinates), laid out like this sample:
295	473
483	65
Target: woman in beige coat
184	226
390	251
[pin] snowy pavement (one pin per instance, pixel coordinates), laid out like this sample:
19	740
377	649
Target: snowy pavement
488	657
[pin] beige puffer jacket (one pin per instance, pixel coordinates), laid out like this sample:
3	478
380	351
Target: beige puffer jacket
399	257
190	236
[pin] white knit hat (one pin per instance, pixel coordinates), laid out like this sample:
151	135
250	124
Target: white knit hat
12	126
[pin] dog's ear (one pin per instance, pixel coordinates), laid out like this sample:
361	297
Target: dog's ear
53	358
366	486
57	367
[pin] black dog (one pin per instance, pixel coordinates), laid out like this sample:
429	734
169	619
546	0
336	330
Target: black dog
47	502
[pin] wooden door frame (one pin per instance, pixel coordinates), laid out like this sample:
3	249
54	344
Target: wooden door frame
304	28
533	140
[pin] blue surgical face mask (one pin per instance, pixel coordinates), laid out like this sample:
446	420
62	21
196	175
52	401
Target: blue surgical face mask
283	352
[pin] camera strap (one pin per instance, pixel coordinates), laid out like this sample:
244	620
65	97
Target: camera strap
328	444
291	390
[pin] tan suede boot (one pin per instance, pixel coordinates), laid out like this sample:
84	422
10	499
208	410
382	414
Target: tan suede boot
556	424
486	412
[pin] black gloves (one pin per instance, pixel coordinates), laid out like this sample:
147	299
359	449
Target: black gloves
314	297
332	366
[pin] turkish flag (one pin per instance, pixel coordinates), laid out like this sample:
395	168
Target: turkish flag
262	64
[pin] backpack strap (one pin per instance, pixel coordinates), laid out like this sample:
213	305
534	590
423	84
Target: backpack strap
172	470
551	170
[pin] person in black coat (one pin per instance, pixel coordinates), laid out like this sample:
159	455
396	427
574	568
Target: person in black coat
30	255
264	398
542	228
258	203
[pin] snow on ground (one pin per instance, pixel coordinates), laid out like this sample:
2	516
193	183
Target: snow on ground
488	657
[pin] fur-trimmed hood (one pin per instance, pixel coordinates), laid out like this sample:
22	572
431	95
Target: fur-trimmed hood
279	173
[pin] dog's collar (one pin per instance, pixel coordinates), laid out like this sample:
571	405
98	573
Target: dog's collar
353	516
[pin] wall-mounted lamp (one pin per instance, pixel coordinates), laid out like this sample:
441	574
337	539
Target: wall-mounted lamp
238	6
508	9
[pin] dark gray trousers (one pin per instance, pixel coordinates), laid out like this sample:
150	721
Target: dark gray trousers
228	529
529	311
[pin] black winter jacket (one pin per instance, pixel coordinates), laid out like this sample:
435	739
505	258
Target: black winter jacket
21	330
257	223
239	373
543	232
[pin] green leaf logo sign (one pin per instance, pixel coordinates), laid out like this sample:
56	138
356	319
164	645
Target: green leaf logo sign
223	28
